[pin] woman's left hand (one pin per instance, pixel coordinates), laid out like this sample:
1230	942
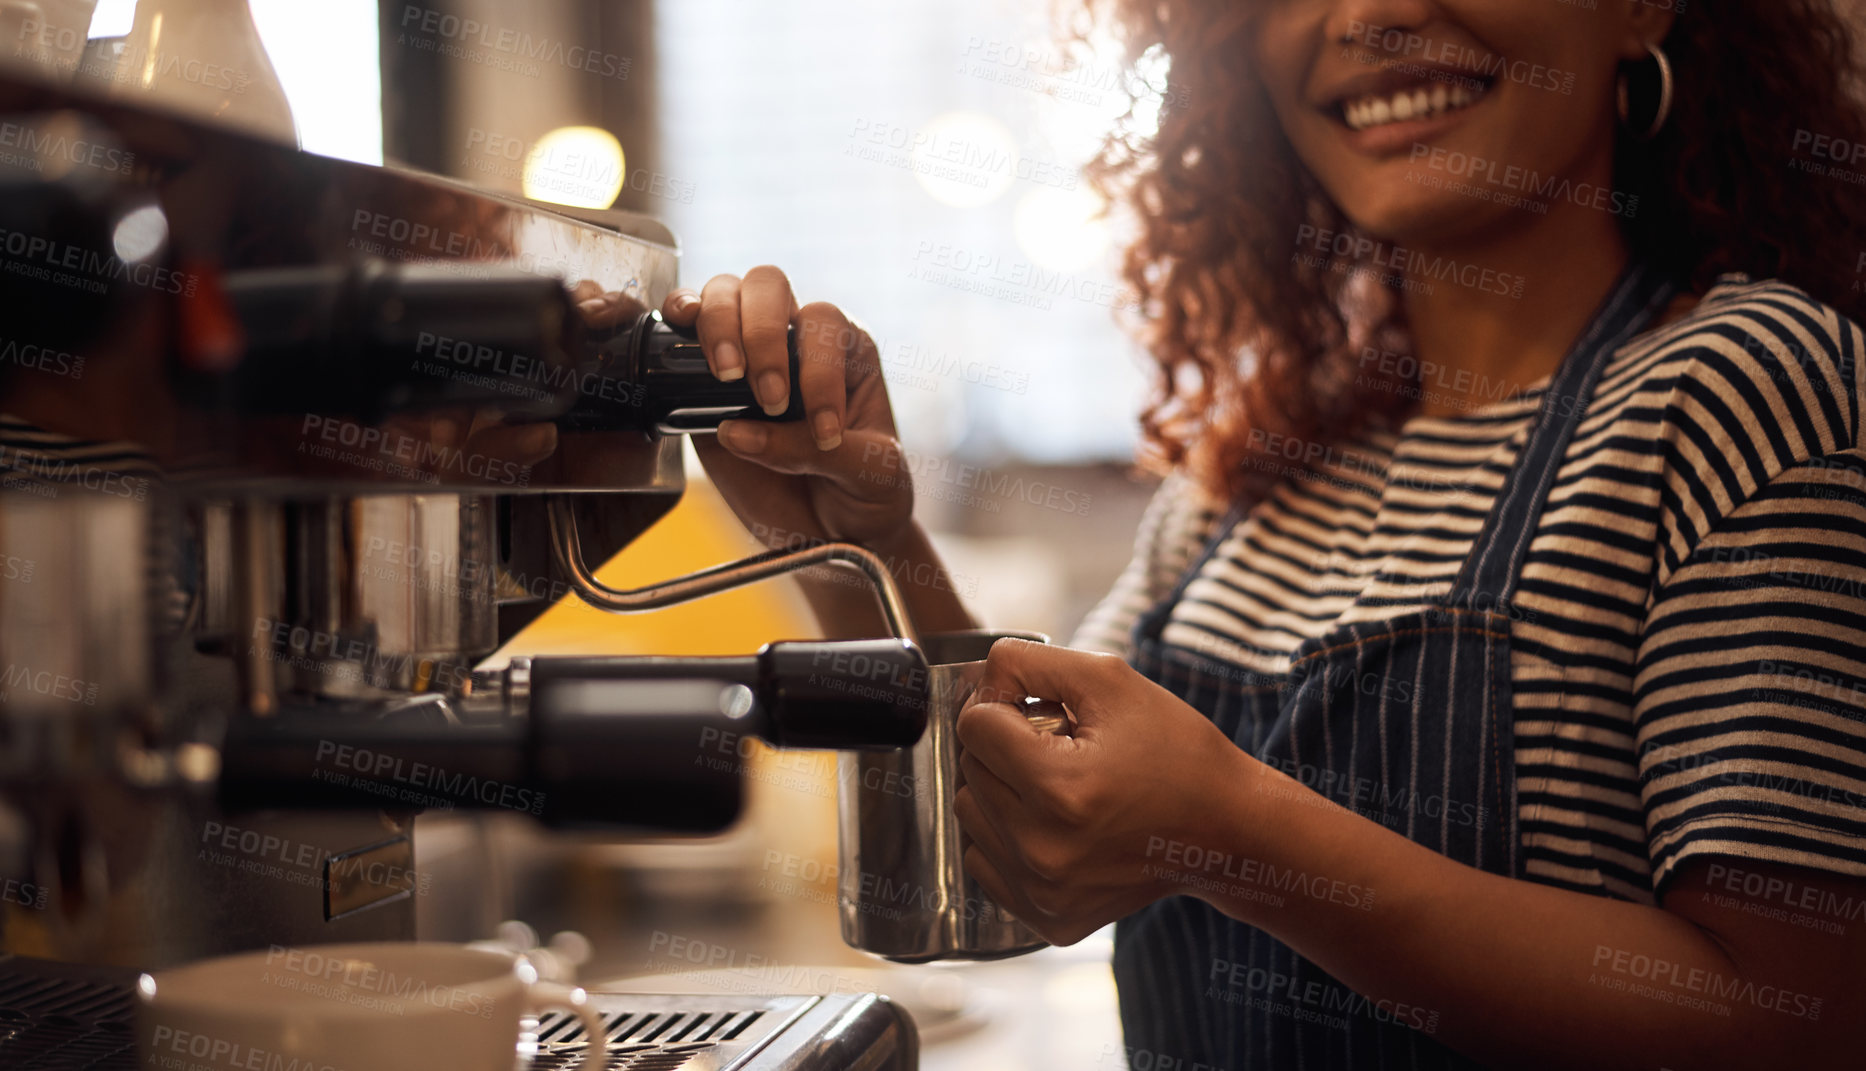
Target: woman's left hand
1072	832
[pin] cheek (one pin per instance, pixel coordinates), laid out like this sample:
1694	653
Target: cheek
1275	58
1554	131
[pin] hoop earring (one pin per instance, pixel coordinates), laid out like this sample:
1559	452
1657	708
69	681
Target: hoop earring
1665	95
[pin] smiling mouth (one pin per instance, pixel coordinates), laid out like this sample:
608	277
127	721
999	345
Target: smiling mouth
1409	104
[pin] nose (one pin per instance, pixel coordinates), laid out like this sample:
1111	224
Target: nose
1374	23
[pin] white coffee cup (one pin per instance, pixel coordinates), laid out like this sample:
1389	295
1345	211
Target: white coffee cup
48	34
360	1007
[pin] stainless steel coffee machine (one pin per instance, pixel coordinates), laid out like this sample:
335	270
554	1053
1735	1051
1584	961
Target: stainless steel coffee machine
288	446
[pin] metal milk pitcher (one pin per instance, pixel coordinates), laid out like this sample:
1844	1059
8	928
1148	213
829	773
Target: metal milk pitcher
902	890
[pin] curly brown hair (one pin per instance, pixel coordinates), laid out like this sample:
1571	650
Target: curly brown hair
1248	342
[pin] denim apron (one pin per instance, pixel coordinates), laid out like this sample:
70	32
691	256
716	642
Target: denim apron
1405	721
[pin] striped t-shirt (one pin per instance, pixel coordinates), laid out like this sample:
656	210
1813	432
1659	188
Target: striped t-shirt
1689	632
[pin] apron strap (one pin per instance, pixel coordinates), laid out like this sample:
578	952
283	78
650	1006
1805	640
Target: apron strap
1152	623
1490	574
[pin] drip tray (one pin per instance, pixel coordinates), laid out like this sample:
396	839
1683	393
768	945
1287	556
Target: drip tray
61	1017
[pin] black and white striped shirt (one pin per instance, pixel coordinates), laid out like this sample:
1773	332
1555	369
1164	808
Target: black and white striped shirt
1689	635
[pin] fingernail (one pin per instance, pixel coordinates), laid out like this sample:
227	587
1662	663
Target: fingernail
731	365
828	430
772	394
745	436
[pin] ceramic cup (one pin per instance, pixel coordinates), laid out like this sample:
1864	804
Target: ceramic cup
50	34
360	1007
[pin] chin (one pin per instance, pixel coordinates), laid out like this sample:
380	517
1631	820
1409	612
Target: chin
1414	216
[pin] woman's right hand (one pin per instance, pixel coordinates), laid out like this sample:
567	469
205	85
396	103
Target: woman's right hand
839	474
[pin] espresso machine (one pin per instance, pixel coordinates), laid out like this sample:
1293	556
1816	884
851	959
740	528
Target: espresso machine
288	447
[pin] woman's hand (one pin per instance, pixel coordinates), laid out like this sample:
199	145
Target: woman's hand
837	475
1073	832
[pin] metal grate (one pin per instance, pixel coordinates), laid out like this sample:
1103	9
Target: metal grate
53	1021
59	1017
655	1040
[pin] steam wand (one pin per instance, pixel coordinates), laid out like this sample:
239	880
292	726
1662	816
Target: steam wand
567	550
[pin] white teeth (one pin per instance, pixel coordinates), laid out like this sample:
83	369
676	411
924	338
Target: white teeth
1419	103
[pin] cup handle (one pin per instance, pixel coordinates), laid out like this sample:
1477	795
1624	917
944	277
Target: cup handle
1047	716
573	999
